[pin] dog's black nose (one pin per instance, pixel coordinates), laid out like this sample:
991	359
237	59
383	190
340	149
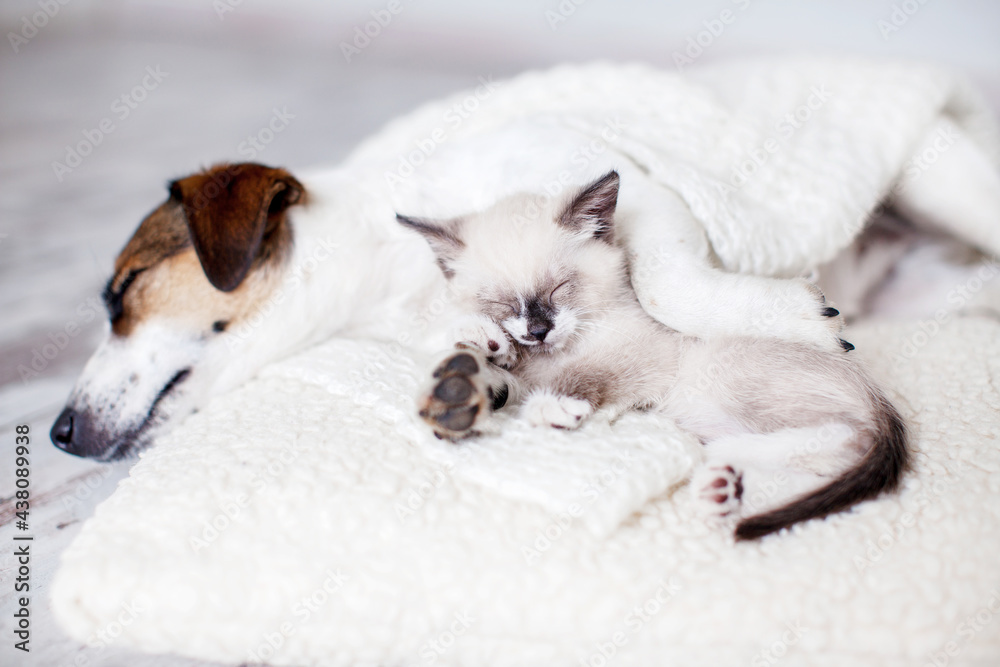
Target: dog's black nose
76	431
539	330
62	431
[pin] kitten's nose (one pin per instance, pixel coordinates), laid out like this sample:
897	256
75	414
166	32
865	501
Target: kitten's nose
539	330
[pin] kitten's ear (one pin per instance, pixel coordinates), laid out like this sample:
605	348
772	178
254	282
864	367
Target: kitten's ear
593	210
442	236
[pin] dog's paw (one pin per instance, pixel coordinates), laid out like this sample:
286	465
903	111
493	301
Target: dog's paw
547	409
483	334
718	492
458	398
801	314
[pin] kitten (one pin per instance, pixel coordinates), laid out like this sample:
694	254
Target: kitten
791	432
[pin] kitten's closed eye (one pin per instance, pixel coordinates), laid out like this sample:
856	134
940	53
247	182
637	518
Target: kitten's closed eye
503	304
556	289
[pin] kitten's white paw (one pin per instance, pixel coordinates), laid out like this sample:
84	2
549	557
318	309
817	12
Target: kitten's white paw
547	409
482	333
718	492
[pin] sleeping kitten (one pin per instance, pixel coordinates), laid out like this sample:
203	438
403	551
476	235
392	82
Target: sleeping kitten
791	432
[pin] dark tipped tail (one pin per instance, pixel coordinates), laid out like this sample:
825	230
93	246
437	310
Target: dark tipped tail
879	470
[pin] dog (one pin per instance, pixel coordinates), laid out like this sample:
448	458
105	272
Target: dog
244	264
234	270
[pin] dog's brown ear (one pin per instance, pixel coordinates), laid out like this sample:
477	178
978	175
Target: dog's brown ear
230	210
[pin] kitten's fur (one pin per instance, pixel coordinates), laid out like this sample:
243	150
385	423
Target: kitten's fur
792	432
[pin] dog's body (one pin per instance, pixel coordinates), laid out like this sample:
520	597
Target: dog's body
244	265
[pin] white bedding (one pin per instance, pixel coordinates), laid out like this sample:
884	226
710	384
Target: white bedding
888	583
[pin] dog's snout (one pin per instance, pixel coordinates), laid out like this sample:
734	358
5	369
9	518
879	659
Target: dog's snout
62	430
73	433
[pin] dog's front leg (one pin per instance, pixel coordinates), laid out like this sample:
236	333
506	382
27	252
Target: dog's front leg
677	281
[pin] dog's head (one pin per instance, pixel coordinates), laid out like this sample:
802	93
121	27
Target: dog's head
201	262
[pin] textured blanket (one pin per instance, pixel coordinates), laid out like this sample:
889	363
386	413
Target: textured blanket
309	519
782	162
305	519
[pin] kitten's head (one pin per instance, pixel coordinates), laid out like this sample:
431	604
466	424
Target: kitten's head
541	268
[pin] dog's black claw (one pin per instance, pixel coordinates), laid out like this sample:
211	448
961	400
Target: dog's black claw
830	312
847	346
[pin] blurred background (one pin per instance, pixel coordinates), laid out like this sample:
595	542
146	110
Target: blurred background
155	89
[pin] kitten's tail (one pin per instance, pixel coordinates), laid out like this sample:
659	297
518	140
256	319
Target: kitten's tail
880	469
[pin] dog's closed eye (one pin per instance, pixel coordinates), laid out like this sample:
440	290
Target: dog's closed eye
113	297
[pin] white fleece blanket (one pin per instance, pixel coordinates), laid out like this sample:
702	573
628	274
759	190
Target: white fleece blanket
781	161
306	514
307	518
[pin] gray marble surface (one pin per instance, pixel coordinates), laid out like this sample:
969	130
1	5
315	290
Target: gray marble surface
221	80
